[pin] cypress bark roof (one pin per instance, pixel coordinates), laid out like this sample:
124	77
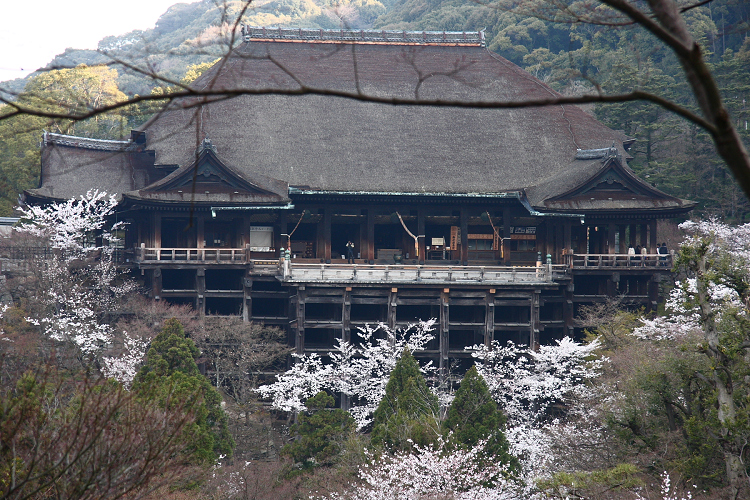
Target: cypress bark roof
327	143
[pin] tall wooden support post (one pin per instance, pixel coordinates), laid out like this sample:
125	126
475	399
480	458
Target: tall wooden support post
200	286
652	236
392	301
299	339
464	221
612	285
370	253
346	315
156	283
653	291
346	334
644	235
559	243
506	236
489	317
327	234
623	248
567	237
611	230
534	320
568	309
444	335
548	239
247	302
157	230
420	231
284	229
200	230
632	240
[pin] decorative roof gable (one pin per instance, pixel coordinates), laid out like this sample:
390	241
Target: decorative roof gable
613	187
208	179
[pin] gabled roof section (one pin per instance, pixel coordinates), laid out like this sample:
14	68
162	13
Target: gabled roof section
208	179
613	186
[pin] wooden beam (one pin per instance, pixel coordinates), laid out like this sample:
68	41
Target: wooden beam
299	341
506	235
370	253
327	234
444	332
489	318
392	303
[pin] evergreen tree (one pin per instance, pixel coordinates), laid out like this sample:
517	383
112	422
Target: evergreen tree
171	376
321	432
473	416
409	412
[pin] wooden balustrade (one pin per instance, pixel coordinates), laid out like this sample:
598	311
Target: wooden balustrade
601	261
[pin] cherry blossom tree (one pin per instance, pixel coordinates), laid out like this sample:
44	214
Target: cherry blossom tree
359	370
431	472
81	280
544	394
712	302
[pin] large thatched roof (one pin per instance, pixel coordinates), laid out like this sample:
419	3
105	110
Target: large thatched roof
328	143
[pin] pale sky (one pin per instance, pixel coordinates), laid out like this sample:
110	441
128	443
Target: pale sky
34	31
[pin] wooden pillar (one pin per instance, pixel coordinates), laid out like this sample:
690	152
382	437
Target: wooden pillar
444	335
283	229
653	292
644	232
156	283
559	243
489	317
534	320
632	240
567	237
549	237
247	303
421	230
346	315
506	235
299	340
464	220
568	309
200	286
623	248
611	230
652	236
200	231
370	253
327	234
157	230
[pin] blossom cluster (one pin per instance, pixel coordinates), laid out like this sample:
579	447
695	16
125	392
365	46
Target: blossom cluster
358	369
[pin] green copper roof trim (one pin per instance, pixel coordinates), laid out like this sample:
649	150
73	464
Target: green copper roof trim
518	195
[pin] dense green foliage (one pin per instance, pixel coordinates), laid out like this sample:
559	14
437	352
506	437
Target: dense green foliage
320	432
170	375
409	411
473	416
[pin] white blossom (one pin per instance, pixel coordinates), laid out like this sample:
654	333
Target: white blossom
125	367
431	472
81	280
356	369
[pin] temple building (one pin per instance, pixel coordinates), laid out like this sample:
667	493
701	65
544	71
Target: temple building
499	223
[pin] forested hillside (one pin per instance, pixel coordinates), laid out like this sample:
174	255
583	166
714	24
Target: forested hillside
674	155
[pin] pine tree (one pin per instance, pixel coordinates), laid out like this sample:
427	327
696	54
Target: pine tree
321	432
171	376
409	412
473	416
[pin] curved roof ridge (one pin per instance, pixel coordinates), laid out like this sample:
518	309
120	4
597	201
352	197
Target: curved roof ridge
85	142
370	36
